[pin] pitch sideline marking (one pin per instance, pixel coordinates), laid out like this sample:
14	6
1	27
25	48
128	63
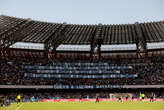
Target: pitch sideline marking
19	106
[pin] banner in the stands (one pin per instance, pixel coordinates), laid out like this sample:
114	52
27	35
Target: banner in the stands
78	76
86	86
84	100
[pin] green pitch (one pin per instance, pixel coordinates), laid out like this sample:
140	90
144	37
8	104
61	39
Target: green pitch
87	106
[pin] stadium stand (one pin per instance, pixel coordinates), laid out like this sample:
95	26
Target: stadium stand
126	72
80	58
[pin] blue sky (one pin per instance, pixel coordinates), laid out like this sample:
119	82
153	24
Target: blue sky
85	11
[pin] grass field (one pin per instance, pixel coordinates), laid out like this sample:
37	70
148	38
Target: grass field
87	106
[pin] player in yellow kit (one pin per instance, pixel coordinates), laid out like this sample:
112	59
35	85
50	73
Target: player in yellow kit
143	97
18	99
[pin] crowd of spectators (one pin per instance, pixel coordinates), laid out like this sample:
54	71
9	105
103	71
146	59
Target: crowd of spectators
148	71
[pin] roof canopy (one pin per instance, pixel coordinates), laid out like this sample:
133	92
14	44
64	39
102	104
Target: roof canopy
14	30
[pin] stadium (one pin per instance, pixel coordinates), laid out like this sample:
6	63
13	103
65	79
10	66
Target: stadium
70	66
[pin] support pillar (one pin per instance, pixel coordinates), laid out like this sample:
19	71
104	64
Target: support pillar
141	42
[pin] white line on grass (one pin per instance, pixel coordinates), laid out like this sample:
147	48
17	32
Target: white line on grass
19	106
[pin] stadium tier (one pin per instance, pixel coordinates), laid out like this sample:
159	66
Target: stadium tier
50	60
89	40
82	74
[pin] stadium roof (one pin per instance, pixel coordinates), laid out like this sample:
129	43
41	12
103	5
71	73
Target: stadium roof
14	30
